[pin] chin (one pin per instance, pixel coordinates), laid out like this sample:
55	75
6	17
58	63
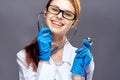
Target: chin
56	31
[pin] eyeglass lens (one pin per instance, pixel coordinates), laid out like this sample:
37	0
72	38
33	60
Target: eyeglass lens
66	14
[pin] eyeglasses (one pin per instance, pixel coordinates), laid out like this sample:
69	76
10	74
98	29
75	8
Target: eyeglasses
66	14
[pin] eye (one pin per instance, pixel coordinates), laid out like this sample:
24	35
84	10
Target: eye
53	9
69	15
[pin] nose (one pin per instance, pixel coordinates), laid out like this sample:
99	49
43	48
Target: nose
59	16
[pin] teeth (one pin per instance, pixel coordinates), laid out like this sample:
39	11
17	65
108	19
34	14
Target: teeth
57	23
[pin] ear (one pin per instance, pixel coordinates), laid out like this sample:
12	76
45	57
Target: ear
74	23
45	13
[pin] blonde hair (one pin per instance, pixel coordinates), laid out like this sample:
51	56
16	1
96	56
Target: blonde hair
77	6
75	3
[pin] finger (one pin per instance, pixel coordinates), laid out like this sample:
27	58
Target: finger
80	49
86	43
87	60
44	31
44	36
83	53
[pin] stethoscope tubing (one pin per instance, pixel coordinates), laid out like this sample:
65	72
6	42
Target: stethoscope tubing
41	25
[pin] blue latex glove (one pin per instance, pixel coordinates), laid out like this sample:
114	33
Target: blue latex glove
82	59
44	40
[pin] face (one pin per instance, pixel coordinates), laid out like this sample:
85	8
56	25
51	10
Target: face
60	24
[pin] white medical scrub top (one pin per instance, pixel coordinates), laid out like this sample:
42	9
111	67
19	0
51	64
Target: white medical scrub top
51	71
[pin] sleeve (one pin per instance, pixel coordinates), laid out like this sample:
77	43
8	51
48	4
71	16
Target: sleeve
90	70
44	71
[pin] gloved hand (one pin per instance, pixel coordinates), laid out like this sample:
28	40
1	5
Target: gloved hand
82	59
44	40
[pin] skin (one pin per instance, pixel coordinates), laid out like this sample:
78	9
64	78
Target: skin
59	26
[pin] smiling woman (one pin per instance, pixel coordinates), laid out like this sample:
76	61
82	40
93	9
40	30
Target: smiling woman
37	62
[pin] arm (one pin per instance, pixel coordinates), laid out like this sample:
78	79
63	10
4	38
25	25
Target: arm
83	62
45	71
90	70
25	72
78	77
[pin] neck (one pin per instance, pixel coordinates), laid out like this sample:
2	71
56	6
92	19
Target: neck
58	40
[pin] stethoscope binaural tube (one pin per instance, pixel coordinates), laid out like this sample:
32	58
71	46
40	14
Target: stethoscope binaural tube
41	25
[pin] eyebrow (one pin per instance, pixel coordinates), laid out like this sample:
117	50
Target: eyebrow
62	9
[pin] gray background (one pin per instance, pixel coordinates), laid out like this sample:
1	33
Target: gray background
100	19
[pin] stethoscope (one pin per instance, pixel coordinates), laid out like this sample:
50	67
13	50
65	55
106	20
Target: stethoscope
42	25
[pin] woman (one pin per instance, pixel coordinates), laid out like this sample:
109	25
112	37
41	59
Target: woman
37	62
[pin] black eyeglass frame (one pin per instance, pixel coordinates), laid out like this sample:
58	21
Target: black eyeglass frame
62	12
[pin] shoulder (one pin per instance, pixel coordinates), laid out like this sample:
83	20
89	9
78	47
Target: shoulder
21	58
70	47
21	54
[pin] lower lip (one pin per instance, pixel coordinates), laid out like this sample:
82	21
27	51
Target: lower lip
56	25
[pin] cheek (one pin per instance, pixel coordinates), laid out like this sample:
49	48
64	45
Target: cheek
64	30
48	20
68	25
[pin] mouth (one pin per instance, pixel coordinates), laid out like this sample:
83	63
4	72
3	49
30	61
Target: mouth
57	24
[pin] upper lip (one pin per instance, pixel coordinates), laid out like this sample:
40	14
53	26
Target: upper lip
57	23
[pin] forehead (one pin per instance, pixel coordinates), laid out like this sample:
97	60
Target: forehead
63	4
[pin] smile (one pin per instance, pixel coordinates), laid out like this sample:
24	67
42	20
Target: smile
57	24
